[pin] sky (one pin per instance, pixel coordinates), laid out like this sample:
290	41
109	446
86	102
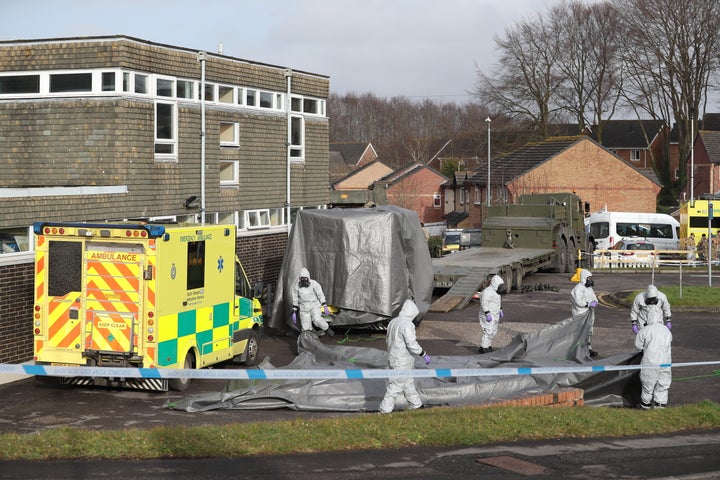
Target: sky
419	49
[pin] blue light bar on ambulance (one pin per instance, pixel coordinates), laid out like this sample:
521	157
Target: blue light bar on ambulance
153	231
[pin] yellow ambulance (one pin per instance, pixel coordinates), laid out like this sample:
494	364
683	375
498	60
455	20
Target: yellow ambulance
145	295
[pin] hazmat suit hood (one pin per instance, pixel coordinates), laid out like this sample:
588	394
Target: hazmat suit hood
409	310
584	275
651	292
304	273
496	281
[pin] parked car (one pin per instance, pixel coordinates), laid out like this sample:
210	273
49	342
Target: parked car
632	252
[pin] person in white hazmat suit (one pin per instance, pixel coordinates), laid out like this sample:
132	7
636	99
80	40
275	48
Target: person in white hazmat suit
307	300
655	340
650	299
584	301
402	349
490	313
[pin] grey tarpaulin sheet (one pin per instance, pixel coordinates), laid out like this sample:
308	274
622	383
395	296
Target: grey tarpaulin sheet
368	261
554	346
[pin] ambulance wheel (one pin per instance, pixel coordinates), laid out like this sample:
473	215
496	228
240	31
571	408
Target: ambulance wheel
252	349
182	384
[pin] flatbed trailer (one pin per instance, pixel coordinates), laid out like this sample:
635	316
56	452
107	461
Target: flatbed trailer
465	272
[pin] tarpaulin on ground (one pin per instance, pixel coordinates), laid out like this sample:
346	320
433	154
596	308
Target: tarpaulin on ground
558	345
367	260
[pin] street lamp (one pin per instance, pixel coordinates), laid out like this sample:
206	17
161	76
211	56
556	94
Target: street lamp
489	196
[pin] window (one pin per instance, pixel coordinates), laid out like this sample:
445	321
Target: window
108	81
209	92
227	218
196	265
17	84
229	172
310	106
677	174
478	195
250	96
226	94
229	134
297	137
277	217
70	82
186	89
141	83
257	219
437	200
14	240
635	155
165	129
165	87
266	100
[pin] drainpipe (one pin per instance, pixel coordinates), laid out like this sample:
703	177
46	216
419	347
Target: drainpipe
288	108
202	57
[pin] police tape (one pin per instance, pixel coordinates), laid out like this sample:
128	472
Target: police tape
328	374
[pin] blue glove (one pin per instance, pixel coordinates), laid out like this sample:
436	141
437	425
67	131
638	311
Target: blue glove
326	310
294	318
426	357
488	317
593	304
669	325
636	329
501	314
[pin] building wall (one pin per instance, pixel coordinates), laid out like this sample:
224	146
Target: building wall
595	175
77	141
16	307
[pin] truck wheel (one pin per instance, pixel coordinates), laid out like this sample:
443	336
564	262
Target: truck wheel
182	384
561	257
571	257
252	349
517	278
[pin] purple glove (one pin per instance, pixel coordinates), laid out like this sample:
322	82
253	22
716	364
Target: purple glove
326	310
636	329
294	318
488	317
668	324
501	314
593	304
426	357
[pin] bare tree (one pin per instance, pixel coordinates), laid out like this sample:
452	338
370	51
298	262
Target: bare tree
589	62
525	81
671	56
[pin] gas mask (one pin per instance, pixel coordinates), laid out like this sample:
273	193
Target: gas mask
589	282
651	301
304	282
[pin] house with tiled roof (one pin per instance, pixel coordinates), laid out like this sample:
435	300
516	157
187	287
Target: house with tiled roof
416	187
707	164
357	188
558	164
347	157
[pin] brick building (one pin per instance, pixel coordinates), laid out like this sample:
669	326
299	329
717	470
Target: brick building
111	128
558	164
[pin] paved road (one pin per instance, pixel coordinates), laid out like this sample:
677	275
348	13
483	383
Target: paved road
28	407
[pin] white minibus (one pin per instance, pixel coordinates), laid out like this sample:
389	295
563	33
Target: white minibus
608	228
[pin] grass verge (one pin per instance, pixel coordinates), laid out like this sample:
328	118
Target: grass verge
437	427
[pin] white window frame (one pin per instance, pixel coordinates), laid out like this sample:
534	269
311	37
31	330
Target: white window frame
233	166
173	141
437	200
234	129
635	155
297	150
173	86
257	219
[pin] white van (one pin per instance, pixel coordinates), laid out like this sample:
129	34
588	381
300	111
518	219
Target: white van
608	228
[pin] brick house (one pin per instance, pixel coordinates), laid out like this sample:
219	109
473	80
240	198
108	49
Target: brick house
707	165
357	188
110	128
345	158
558	164
416	187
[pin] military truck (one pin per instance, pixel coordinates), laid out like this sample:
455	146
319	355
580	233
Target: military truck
540	232
549	220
